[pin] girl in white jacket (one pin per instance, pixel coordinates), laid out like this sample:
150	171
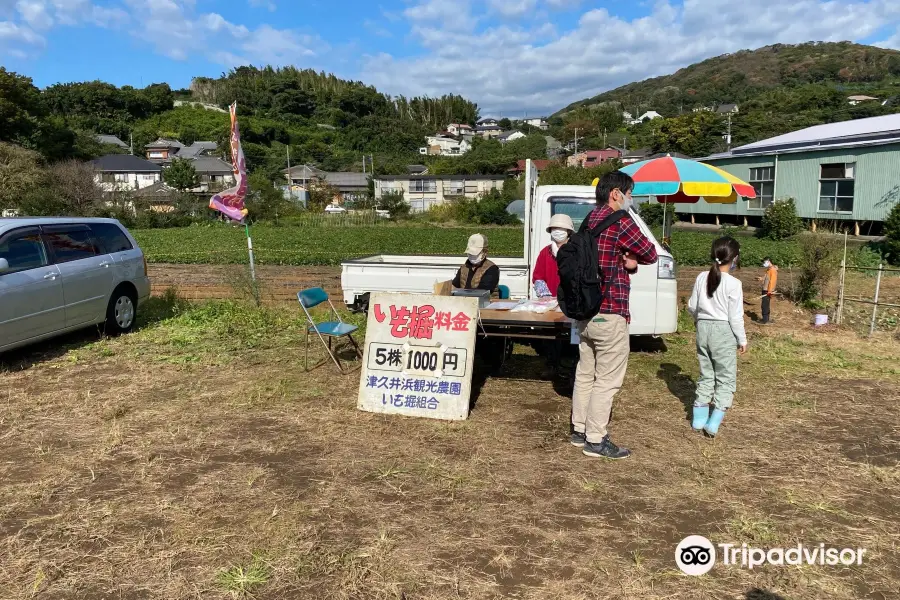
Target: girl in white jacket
717	305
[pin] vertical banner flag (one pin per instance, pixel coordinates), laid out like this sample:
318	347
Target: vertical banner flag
231	201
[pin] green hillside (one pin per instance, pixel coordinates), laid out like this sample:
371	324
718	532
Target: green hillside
778	89
743	75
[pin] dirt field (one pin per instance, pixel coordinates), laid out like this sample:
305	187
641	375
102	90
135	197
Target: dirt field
195	458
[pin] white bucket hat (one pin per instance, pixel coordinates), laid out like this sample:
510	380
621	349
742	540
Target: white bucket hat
560	221
478	243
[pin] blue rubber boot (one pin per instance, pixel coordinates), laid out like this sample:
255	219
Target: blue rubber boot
715	419
701	416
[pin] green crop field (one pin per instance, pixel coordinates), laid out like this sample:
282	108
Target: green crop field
224	244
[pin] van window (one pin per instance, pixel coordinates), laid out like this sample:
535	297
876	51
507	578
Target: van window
23	250
74	244
110	237
577	208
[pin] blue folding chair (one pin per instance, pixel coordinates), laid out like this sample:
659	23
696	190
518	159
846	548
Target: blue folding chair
503	292
329	329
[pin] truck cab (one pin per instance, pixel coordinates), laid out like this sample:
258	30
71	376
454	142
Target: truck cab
654	296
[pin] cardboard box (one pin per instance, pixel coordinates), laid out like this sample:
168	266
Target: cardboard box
443	288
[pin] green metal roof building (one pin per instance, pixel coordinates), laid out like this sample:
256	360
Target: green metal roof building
847	171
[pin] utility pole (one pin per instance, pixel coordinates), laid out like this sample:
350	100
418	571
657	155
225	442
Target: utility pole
728	135
290	181
131	143
604	138
576	142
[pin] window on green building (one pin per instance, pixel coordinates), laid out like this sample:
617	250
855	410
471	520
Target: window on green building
763	181
836	188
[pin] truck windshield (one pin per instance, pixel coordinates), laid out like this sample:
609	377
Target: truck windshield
577	208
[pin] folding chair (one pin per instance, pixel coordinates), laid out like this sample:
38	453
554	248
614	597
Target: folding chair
311	298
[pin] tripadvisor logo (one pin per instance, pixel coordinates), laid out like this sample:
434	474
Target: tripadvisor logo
696	555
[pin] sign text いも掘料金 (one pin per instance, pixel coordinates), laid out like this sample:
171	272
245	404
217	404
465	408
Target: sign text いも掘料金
418	355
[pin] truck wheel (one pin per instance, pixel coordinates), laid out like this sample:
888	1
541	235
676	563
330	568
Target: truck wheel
121	312
362	304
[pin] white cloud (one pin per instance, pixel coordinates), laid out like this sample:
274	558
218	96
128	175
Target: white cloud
563	4
34	12
517	68
172	28
512	8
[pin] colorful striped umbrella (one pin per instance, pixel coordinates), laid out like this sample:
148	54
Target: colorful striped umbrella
681	180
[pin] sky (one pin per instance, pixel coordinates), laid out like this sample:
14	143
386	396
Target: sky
511	57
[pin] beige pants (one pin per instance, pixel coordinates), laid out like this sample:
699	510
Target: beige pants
601	370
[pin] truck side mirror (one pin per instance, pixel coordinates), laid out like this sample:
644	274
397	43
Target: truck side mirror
4	265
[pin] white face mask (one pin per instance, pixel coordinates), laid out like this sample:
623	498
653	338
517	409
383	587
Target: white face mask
475	258
626	201
767	264
559	235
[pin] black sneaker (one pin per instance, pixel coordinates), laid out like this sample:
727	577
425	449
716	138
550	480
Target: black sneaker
577	439
605	449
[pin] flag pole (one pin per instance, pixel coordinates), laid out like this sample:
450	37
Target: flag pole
252	265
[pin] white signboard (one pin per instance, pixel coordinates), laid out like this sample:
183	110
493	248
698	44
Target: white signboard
418	355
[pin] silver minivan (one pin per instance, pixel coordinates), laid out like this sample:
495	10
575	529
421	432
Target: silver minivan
62	274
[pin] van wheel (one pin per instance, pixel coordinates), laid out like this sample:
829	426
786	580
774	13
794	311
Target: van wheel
121	312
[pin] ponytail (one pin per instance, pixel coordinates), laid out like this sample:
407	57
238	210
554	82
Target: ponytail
714	279
724	252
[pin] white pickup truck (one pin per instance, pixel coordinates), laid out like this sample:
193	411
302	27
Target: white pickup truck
654	295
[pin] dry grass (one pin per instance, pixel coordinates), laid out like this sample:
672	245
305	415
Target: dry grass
195	459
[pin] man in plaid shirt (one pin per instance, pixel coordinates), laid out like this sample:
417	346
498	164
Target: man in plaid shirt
604	343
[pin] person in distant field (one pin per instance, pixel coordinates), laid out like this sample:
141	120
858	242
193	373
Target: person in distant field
770	280
604	343
477	273
717	305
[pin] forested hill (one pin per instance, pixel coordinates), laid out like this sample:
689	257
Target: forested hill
741	76
326	121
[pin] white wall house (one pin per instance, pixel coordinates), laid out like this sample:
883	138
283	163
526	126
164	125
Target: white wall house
424	191
123	172
538	122
510	136
459	129
647	116
441	145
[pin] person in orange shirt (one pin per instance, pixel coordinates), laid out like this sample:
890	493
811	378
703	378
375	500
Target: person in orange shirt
770	280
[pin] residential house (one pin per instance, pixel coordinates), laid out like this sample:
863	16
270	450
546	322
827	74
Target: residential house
488	131
839	172
488	122
539	164
416	169
350	186
592	158
632	156
510	136
647	116
554	147
459	128
854	100
162	150
443	145
215	174
424	191
124	172
111	140
538	122
159	196
727	109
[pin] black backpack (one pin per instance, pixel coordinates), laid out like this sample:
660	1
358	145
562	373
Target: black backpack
580	279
